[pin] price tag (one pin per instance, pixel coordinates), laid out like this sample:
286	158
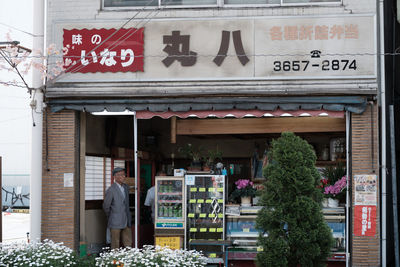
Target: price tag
202	215
192	201
211	189
189	179
220	230
246	230
211	215
220	201
208	200
202	189
202	230
200	201
212	230
193	230
221	215
220	189
190	215
213	255
193	189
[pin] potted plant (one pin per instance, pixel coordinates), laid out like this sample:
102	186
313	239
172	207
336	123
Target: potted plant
245	190
195	153
212	155
335	192
332	184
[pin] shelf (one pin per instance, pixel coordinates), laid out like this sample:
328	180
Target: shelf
169	201
241	216
169	193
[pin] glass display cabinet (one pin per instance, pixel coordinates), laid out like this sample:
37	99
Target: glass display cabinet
205	222
169	211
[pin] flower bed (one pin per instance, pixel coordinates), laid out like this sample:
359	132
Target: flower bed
48	253
150	256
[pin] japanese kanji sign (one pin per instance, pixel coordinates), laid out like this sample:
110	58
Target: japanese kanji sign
365	189
102	50
246	48
364	220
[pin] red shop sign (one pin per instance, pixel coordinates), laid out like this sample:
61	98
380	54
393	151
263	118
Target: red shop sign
102	50
365	220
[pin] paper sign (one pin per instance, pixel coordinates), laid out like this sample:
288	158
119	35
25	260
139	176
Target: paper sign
68	179
365	220
173	242
189	179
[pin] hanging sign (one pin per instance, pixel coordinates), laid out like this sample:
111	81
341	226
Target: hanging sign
364	220
102	50
365	189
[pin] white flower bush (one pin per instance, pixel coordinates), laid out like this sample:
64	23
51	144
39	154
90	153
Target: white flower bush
150	256
46	253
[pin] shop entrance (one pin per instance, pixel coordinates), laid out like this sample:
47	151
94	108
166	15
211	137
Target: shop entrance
243	143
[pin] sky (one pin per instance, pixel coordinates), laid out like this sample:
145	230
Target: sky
15	112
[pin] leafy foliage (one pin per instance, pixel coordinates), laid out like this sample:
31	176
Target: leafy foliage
293	228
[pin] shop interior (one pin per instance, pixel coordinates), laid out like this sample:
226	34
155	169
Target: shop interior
240	144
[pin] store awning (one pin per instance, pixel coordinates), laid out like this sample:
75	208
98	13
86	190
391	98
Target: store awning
220	107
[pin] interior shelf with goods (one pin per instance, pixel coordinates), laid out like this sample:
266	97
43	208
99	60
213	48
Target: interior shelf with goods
205	222
241	230
336	219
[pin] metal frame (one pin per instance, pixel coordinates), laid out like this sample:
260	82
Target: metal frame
220	3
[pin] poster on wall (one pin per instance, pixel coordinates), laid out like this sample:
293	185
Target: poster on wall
364	220
365	189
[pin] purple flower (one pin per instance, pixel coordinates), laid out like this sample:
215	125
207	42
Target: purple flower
337	187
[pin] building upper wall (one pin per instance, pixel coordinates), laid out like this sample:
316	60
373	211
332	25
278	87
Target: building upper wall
204	27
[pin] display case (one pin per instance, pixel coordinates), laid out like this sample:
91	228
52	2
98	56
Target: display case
241	230
169	211
170	203
205	223
336	220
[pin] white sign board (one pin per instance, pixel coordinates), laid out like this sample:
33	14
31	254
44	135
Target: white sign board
254	48
68	179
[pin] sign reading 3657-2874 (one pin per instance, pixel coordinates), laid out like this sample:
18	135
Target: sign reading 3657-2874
316	63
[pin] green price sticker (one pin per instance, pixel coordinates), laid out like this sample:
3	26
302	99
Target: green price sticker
212	230
246	230
211	215
213	255
202	189
211	189
192	201
193	230
220	201
202	215
200	201
193	189
220	230
202	230
221	215
208	200
220	189
190	215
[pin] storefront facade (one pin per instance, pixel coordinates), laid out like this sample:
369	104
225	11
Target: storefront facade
311	69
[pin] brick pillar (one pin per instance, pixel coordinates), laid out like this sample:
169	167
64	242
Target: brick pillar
58	211
365	160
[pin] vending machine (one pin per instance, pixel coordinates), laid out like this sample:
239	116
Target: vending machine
170	205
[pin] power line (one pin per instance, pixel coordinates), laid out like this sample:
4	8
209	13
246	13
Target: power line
12	27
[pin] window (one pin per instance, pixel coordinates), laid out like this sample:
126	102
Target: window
200	3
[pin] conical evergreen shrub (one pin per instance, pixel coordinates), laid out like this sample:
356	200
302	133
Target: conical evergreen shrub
291	217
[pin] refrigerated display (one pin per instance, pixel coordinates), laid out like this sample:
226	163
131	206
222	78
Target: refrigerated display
169	203
205	213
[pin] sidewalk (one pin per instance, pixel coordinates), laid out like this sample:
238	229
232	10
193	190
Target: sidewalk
15	226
